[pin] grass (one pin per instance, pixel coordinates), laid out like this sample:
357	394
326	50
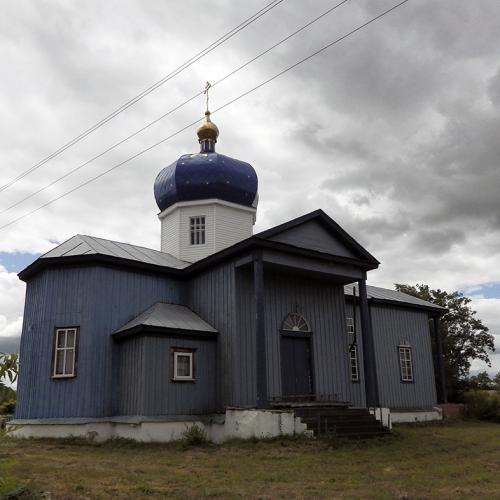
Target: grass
457	460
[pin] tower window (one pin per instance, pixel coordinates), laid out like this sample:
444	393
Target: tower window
197	230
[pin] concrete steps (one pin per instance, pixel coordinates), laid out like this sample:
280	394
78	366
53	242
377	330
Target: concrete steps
340	420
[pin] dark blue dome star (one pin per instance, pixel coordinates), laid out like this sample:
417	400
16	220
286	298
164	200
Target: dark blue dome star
205	176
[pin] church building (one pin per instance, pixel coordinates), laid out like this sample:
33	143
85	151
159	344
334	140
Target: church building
242	334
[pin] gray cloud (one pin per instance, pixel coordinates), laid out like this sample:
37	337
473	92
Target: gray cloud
9	344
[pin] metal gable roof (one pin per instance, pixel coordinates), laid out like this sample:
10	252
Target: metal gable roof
331	226
169	317
90	245
376	293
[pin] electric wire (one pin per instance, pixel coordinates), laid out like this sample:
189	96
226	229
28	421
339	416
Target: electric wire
147	91
232	101
187	101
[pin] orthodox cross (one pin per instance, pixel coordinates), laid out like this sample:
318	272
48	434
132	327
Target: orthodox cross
207	87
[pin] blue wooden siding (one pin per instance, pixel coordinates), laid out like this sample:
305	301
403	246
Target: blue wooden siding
358	395
322	304
98	300
212	296
224	297
391	327
130	378
145	386
244	361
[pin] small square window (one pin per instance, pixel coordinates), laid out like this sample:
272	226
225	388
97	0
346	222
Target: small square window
405	363
197	230
65	352
183	364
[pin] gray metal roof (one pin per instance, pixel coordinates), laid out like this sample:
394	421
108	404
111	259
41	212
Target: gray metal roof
385	294
88	245
170	316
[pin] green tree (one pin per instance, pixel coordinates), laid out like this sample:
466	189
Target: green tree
481	381
464	335
496	382
9	367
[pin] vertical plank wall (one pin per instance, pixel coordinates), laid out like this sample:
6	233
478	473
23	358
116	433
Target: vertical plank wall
391	327
99	300
358	394
161	395
224	297
211	295
322	304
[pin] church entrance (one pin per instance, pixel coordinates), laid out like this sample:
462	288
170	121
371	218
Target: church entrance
296	373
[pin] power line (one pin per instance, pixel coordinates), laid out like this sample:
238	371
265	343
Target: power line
187	101
224	38
232	101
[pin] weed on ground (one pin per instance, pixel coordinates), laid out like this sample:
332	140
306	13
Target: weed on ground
458	460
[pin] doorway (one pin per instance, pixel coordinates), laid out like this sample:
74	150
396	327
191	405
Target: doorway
296	367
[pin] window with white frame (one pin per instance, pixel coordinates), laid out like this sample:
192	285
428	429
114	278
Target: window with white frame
353	363
65	352
405	363
183	365
197	230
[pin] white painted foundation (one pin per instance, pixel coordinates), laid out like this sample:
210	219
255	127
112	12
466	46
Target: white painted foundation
235	424
400	417
383	415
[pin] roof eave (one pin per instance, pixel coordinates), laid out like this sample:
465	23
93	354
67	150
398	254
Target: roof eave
165	331
256	242
434	311
44	262
248	244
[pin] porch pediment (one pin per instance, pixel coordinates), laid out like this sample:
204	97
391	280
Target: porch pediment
318	232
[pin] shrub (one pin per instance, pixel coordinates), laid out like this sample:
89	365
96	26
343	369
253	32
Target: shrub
484	405
8	407
194	435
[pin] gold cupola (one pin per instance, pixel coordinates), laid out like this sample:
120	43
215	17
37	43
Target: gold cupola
207	134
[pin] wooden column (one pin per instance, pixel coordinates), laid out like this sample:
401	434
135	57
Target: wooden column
442	391
260	330
369	363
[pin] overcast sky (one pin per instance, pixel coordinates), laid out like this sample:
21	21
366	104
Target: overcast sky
393	132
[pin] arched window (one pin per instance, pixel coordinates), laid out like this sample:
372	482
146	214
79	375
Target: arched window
295	322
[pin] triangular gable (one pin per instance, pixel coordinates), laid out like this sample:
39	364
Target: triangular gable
317	231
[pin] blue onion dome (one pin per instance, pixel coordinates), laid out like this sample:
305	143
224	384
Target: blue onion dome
206	175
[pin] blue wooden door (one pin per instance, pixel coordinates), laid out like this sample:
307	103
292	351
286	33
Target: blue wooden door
296	367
